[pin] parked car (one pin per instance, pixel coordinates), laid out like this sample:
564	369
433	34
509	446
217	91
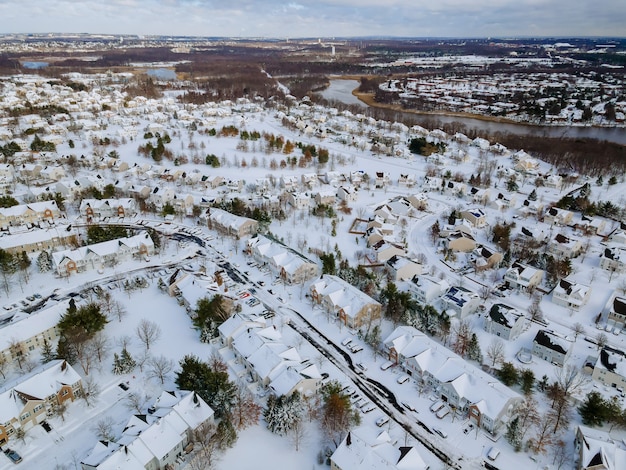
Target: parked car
361	366
437	406
493	453
356	349
386	365
382	421
408	406
346	342
403	379
441	432
443	412
13	456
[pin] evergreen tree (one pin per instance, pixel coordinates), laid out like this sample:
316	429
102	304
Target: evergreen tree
513	434
283	413
593	410
328	263
527	380
508	374
47	353
44	262
533	195
473	350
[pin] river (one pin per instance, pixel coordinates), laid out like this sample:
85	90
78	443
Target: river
341	90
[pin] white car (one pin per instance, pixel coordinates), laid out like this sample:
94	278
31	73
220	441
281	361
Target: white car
403	379
382	421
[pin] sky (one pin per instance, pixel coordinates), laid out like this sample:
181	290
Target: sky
318	18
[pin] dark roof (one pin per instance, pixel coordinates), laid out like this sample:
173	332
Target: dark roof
560	238
497	314
619	305
566	286
604	360
544	338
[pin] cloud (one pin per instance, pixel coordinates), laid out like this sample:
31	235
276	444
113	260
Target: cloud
308	18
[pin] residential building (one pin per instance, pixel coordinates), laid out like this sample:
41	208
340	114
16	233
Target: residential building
385	250
556	216
460	241
597	450
353	307
476	217
100	208
613	259
347	193
29	401
472	393
562	246
230	224
37	240
157	440
485	258
291	266
403	268
570	294
550	347
505	321
426	289
460	301
523	277
610	369
101	255
370	448
616	312
29	214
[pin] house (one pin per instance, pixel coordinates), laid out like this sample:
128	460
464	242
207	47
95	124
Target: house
385	250
426	289
460	241
590	225
613	259
347	193
310	180
104	254
476	217
570	294
230	224
29	214
407	180
522	277
618	236
299	200
616	312
382	179
101	208
456	188
370	448
291	266
485	258
325	197
461	301
598	450
289	182
472	393
37	240
560	217
550	347
505	321
353	307
157	440
27	402
610	369
403	268
562	246
479	195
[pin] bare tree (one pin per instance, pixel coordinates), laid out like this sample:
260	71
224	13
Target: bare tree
462	335
148	332
4	366
544	437
245	411
159	367
561	455
135	401
60	409
601	340
578	329
142	359
206	448
495	351
104	429
18	351
298	434
534	310
91	390
101	345
124	341
118	310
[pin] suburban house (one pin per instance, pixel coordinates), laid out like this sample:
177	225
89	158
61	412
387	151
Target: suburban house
37	240
426	289
291	266
522	277
460	301
261	355
613	259
407	180
370	448
28	402
590	225
230	224
476	217
21	335
382	179
616	312
299	200
556	216
385	250
597	450
570	294
29	214
460	241
353	307
403	268
101	255
325	196
101	208
157	440
484	258
551	348
347	193
562	246
505	321
471	392
610	369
